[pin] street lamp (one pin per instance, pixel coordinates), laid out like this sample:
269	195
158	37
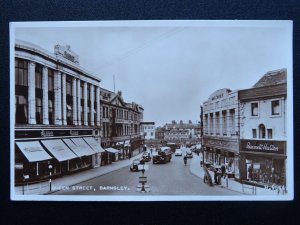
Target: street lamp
50	173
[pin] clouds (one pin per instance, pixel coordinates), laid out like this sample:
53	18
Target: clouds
171	70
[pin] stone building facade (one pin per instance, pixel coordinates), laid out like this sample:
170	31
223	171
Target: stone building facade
57	113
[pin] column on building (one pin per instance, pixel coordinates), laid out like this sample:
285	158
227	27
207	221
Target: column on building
31	93
78	103
92	105
64	100
212	127
98	105
57	98
228	122
221	123
74	112
208	124
45	96
236	119
85	107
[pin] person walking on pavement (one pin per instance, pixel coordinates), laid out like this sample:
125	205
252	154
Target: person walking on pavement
185	160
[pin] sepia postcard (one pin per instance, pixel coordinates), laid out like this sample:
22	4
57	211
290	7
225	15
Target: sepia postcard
164	110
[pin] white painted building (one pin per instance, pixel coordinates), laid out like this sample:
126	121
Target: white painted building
263	136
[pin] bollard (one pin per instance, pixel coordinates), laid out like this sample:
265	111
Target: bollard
227	182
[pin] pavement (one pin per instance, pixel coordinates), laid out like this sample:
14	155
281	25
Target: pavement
73	179
230	183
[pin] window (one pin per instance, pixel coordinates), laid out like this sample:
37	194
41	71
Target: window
39	116
254	109
21	72
262	131
51	112
275	107
38	76
69	87
21	110
254	133
270	134
50	80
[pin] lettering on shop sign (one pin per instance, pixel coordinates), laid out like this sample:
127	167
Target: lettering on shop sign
217	96
73	132
262	147
47	133
217	143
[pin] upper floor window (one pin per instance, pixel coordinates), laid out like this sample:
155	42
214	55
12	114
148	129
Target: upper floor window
254	109
262	131
275	107
270	133
50	80
69	86
254	133
21	72
38	76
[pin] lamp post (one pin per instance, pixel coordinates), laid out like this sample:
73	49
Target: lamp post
50	173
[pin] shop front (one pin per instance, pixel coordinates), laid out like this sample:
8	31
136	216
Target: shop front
41	153
220	151
263	161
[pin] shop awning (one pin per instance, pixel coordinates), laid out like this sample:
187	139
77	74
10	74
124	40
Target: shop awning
77	150
83	146
59	150
33	151
112	150
94	144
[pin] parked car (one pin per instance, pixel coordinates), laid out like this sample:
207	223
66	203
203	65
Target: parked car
135	164
189	153
178	152
146	156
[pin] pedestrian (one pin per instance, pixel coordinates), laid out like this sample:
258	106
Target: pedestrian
185	160
201	163
223	169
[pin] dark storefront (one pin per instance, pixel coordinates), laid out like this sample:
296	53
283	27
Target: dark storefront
222	151
41	153
263	161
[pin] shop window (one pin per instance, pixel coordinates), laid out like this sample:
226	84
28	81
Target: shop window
254	133
254	109
262	131
270	133
275	107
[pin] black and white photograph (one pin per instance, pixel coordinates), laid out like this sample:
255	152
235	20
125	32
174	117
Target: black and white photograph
169	110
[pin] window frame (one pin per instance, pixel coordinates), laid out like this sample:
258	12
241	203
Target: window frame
279	107
251	109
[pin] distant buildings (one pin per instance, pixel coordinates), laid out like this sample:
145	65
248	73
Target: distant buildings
148	130
246	129
186	133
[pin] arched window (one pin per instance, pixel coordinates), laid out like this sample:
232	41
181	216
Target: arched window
262	131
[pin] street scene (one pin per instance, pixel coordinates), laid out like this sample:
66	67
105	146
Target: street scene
148	110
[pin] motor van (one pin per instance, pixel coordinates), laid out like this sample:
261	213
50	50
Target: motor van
164	154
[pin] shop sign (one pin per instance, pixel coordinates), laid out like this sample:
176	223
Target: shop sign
221	144
50	133
263	146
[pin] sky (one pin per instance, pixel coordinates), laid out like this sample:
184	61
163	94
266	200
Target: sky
170	67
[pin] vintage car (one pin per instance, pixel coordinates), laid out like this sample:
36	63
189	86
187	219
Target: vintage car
178	152
189	153
146	156
163	155
135	164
